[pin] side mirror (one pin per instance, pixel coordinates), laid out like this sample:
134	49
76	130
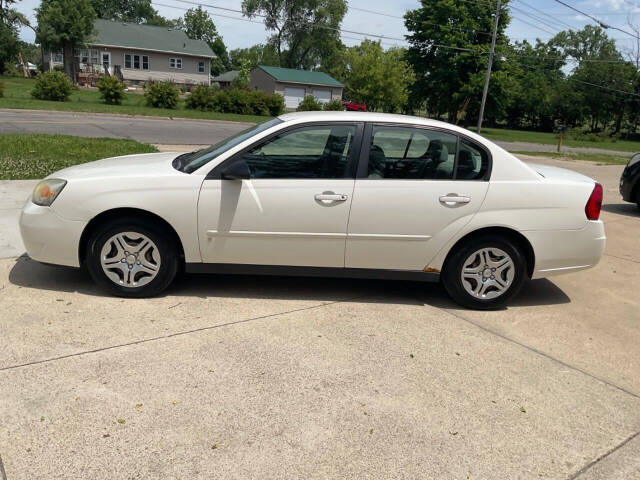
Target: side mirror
236	171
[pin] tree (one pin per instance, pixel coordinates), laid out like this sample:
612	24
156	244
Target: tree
444	74
197	24
304	30
377	77
134	11
8	44
260	54
64	24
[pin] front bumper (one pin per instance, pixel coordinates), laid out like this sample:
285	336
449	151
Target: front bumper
48	237
565	251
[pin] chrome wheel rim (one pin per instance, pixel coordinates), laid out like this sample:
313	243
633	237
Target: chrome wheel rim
130	259
487	273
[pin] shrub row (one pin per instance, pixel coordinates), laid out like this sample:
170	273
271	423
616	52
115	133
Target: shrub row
161	95
235	100
1	89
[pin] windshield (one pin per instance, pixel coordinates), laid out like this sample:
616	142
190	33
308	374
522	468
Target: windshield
190	162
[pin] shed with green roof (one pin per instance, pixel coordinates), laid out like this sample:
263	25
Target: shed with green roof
294	84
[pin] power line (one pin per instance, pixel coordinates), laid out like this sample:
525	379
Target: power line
595	19
534	17
556	21
553	34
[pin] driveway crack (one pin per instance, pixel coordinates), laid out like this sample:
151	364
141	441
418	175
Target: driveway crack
540	352
602	457
171	335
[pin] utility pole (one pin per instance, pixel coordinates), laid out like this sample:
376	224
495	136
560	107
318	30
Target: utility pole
488	76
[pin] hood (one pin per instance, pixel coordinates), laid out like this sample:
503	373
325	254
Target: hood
556	173
138	165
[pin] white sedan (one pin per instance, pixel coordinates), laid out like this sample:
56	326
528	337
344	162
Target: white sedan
344	194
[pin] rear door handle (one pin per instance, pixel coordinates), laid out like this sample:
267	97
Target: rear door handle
333	197
452	199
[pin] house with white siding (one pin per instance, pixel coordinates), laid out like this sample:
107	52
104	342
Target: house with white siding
140	53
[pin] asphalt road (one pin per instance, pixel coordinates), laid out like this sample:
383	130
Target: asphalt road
255	377
143	129
167	131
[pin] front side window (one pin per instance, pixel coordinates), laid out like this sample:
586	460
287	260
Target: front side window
190	162
175	63
307	152
201	67
127	60
145	62
136	62
411	153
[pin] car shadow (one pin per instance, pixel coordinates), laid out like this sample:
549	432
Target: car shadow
628	209
28	273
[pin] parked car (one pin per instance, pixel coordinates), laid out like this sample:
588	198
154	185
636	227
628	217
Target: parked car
342	194
355	107
630	181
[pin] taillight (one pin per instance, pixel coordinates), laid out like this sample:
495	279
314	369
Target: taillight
594	204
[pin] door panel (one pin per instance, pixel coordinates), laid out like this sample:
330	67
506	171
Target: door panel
401	224
407	202
274	222
295	207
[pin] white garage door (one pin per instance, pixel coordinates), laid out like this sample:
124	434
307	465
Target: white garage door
322	96
293	96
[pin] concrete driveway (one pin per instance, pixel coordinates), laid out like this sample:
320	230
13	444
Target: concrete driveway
249	377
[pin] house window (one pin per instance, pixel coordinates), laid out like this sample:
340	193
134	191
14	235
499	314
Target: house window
136	62
201	67
87	56
127	60
175	63
145	62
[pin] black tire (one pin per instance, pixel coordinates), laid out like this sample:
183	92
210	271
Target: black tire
451	275
163	240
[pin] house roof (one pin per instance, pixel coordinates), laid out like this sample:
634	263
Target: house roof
226	76
146	37
292	75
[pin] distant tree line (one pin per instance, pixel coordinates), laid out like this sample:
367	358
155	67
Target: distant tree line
577	78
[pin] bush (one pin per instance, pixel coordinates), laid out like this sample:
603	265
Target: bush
275	104
333	105
201	99
161	95
308	104
247	102
54	86
1	89
111	90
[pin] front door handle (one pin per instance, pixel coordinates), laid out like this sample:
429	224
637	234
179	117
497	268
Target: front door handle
453	198
332	197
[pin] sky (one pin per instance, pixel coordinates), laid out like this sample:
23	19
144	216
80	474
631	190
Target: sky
239	34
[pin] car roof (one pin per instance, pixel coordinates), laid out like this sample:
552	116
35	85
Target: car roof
338	116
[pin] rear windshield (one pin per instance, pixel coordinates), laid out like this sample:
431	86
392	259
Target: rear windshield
190	162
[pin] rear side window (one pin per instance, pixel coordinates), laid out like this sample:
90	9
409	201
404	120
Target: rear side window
411	153
473	161
422	154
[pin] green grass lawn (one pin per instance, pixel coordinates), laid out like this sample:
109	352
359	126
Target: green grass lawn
590	157
17	94
38	155
506	135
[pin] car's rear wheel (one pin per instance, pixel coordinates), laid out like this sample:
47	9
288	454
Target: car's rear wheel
132	257
485	272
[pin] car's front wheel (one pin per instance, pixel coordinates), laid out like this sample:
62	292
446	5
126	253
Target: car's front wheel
132	257
485	272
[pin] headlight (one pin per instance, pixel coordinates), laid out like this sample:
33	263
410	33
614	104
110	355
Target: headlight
47	190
